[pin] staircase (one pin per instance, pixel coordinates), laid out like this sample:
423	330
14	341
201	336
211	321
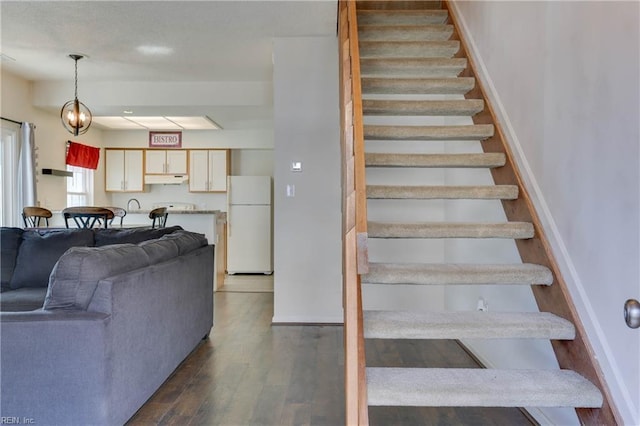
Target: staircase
412	63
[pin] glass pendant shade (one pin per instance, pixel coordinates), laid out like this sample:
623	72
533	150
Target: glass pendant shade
75	115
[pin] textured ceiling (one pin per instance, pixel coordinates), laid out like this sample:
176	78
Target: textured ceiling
199	41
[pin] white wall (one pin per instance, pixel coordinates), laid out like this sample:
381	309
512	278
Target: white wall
307	244
50	138
564	80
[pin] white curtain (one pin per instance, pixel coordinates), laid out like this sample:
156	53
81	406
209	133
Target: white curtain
27	167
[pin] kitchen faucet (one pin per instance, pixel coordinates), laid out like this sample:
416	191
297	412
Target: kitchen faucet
129	202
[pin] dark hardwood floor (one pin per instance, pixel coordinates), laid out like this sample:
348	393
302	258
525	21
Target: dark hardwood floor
252	373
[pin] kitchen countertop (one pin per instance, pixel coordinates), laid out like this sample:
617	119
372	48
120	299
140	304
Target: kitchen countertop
197	211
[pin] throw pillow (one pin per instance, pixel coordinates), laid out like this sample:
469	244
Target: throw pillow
39	252
75	277
10	239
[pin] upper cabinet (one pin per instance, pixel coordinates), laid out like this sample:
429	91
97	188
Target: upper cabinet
124	170
208	170
160	161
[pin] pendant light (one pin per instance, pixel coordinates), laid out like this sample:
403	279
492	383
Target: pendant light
75	115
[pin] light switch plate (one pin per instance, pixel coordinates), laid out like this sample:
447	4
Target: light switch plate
296	166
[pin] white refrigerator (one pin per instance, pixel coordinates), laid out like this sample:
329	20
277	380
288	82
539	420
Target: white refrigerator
249	225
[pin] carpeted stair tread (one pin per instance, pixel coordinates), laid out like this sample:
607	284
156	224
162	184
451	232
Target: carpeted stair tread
447	387
398	5
402	17
466	325
427	32
418	86
516	230
457	273
488	192
412	67
409	49
475	132
465	107
486	160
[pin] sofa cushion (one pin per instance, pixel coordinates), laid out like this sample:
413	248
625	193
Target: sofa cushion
10	239
186	241
172	245
22	299
160	250
105	237
39	252
76	275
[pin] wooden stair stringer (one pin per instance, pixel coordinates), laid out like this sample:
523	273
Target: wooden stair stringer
577	354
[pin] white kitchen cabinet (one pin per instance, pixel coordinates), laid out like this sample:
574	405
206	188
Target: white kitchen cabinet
160	161
124	170
208	170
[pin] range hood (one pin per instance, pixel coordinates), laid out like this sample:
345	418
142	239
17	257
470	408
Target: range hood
165	179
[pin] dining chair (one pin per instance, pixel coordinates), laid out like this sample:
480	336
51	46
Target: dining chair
117	212
32	216
88	217
160	214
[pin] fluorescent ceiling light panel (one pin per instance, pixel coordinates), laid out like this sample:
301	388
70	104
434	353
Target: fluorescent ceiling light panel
116	123
195	123
155	123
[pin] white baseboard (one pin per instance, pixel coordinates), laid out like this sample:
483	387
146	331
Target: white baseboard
306	320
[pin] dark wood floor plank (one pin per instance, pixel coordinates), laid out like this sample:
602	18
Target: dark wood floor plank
250	373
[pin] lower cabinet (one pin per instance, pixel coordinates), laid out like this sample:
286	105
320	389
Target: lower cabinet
208	170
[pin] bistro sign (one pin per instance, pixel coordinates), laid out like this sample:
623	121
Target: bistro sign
165	139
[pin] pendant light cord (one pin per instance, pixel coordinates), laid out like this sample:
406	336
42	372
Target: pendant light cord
76	79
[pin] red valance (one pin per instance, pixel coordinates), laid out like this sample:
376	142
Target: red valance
83	155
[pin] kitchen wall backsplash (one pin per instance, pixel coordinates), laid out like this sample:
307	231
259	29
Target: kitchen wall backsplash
172	193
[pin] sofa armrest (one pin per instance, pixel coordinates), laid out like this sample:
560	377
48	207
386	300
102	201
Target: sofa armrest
159	314
53	364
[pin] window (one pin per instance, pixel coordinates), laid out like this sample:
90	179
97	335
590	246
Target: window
79	187
9	216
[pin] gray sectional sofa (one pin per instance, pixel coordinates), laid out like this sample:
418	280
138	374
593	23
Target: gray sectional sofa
89	340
